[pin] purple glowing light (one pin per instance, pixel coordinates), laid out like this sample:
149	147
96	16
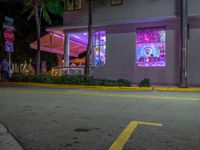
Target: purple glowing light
150	47
99	46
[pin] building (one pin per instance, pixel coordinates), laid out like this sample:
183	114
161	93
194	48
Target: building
133	39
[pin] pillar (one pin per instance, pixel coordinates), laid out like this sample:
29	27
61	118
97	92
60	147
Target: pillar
66	50
184	42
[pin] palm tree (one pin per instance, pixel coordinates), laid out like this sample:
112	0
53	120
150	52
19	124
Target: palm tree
41	8
87	61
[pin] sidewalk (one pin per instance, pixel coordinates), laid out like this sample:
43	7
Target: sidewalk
132	88
7	141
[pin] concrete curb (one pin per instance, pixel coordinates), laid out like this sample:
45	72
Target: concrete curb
7	141
76	86
176	89
120	88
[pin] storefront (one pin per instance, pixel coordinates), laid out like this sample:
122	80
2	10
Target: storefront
132	44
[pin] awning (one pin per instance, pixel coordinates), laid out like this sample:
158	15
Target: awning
54	43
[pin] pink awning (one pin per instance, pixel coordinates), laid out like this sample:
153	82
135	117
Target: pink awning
54	43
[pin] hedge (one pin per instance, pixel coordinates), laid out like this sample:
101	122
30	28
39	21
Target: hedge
69	80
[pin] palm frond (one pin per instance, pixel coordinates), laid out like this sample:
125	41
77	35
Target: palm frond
46	16
55	8
31	14
52	6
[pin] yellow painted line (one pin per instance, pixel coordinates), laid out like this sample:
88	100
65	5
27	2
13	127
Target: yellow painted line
122	139
176	89
77	86
148	123
145	97
119	143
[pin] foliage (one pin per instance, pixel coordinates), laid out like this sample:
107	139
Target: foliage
41	9
25	33
41	78
46	7
16	77
69	80
145	83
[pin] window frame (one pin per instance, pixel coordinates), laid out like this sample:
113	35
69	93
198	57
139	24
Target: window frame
160	28
99	45
74	6
111	3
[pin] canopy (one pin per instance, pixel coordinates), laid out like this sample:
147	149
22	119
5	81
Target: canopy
54	43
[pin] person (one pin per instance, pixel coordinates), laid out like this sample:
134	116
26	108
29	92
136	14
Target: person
4	71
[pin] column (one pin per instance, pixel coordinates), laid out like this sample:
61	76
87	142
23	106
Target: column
184	42
66	50
93	50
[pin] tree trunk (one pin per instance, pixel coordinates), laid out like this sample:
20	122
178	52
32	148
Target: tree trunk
37	22
19	65
87	61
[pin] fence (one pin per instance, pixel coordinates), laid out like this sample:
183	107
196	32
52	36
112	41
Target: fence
58	71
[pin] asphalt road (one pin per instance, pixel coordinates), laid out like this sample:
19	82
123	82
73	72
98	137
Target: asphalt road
64	119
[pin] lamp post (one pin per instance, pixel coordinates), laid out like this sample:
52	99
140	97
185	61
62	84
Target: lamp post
184	42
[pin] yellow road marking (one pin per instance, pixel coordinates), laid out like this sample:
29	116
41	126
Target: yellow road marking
76	86
119	143
146	97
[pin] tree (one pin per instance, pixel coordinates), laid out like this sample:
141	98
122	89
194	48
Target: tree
87	61
23	28
41	9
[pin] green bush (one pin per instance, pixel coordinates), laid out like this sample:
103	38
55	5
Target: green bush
56	80
16	77
144	83
42	78
27	78
123	82
69	79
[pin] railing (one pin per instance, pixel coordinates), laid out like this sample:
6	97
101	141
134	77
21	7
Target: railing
58	71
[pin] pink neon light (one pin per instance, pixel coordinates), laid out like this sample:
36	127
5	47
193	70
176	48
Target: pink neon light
150	47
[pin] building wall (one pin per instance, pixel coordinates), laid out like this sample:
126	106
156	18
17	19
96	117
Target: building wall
130	10
121	39
121	54
134	10
194	57
193	7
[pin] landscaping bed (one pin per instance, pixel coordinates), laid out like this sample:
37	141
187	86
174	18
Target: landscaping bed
69	80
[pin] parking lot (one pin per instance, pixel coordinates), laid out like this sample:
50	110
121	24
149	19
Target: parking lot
74	119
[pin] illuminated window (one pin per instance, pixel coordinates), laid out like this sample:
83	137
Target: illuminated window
150	47
73	5
116	2
99	47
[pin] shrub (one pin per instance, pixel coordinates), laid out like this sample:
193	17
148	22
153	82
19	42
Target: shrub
145	83
16	77
42	78
27	78
69	79
56	80
123	82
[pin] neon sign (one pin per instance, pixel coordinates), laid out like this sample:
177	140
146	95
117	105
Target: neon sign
99	46
151	47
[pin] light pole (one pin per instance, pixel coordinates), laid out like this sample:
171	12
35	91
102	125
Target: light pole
184	42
